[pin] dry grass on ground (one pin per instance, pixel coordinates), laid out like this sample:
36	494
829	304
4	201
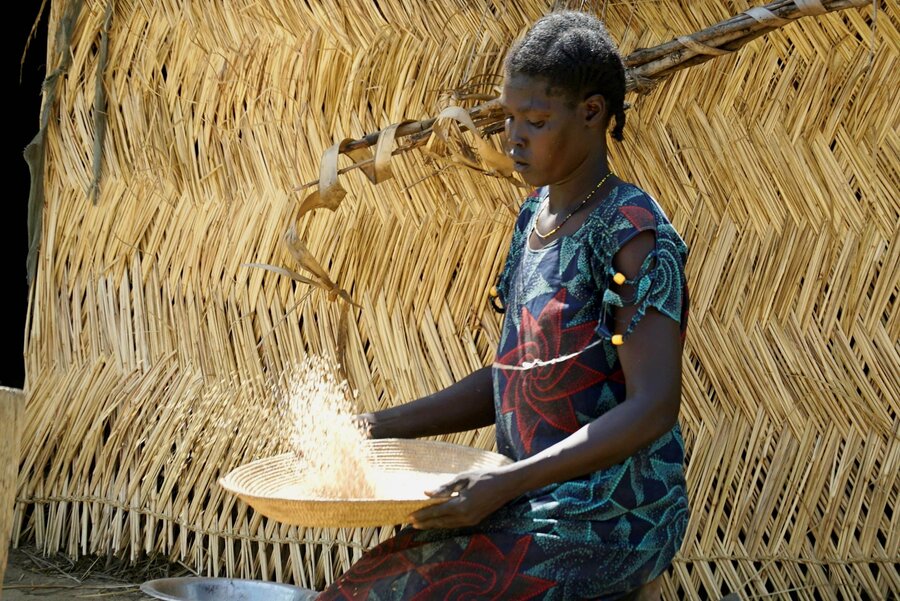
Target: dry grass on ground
29	575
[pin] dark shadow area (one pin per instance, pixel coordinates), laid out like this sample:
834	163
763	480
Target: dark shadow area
24	92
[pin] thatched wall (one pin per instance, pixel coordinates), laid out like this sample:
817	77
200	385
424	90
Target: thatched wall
12	405
152	350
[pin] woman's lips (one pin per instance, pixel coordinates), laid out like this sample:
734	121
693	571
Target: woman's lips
520	165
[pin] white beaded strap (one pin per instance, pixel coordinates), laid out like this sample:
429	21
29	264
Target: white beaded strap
538	363
765	16
701	48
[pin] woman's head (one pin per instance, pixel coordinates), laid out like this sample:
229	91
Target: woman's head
576	57
564	81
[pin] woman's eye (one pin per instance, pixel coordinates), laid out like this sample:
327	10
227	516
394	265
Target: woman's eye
537	124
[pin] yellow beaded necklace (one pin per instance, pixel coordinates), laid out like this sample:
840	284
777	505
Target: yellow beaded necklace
575	210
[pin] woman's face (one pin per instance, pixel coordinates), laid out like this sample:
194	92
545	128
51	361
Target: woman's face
549	136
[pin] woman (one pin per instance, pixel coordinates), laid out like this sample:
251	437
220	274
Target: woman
586	385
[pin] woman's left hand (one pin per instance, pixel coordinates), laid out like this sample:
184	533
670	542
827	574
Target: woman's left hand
472	497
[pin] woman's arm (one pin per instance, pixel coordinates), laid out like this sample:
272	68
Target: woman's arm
651	362
465	405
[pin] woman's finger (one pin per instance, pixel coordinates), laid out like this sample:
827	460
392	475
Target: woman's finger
438	521
425	516
363	422
449	488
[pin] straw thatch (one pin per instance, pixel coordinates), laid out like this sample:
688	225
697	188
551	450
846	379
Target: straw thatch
12	406
154	352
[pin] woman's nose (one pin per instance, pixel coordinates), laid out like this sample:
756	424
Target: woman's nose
514	138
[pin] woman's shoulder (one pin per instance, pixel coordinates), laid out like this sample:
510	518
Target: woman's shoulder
637	206
631	210
530	204
533	200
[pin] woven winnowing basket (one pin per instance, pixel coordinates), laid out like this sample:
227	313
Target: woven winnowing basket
272	485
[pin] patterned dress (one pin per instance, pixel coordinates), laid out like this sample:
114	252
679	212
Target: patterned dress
594	537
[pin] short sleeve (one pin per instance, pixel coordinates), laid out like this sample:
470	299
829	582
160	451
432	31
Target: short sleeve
660	282
516	245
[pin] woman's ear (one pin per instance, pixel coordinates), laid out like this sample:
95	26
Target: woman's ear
595	114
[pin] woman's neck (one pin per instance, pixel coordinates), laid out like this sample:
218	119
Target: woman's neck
569	193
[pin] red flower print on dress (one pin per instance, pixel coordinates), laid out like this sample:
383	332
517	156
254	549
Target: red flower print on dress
640	218
483	572
543	394
384	561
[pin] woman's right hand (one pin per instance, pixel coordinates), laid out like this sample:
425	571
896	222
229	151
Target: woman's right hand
366	424
466	405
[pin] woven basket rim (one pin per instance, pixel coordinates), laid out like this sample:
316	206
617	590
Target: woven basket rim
319	511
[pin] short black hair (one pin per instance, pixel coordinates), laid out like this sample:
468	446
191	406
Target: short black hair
574	53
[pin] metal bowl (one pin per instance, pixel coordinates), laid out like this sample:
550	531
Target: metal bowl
223	589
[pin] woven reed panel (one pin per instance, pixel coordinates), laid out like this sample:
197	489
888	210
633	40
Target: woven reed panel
12	405
155	355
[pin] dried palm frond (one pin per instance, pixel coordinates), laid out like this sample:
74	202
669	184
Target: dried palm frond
644	70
